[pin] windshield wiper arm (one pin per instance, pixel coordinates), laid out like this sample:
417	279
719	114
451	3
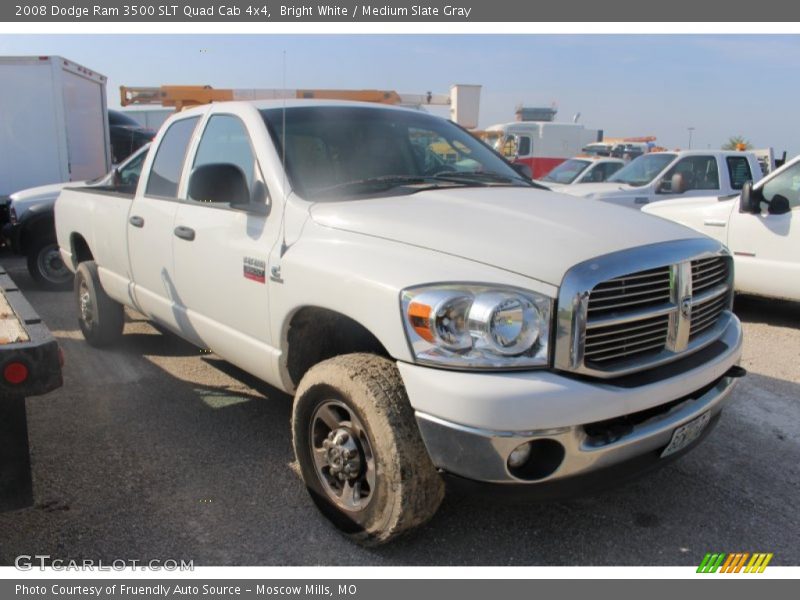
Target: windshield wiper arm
483	178
386	182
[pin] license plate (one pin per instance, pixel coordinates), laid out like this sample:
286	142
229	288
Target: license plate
686	434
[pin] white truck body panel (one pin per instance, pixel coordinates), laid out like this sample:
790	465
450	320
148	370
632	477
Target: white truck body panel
764	246
56	122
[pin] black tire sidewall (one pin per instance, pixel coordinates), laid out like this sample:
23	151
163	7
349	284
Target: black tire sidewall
107	315
356	524
33	266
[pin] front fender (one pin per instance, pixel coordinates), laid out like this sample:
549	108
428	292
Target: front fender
361	277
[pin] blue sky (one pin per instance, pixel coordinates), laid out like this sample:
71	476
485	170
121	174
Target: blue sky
659	85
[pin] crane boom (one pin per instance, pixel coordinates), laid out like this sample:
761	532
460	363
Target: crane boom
463	100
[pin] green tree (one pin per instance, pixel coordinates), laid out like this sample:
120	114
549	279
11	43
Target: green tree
735	142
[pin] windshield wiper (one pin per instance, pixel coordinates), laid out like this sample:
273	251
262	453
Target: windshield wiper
481	177
387	182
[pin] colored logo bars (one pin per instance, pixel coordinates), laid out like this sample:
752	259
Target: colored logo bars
734	563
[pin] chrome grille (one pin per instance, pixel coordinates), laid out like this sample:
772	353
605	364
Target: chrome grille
706	314
604	344
613	321
635	291
708	273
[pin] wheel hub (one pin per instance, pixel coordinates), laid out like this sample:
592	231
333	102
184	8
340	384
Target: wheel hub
343	454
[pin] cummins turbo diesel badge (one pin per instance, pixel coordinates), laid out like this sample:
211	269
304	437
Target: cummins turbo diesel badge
255	269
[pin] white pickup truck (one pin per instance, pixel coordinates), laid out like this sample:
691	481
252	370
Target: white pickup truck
430	322
663	175
760	226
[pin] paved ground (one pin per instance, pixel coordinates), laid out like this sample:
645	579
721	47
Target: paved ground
155	451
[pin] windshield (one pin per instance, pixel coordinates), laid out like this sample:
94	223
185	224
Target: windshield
567	172
353	151
642	170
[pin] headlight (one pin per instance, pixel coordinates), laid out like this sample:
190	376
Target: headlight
477	326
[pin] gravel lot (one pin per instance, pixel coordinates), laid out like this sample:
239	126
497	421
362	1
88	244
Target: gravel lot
154	451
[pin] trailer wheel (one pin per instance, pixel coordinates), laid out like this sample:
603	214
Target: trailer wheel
46	266
359	449
100	318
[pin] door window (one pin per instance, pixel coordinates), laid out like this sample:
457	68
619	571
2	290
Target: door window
699	173
786	184
739	168
523	145
165	174
225	141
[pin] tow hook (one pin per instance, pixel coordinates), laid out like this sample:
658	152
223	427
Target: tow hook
736	371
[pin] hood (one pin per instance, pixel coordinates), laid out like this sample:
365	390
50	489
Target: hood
585	189
531	232
43	194
683	204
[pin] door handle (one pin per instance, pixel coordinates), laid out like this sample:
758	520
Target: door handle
136	221
185	233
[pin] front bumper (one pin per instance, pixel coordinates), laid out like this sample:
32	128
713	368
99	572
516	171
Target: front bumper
10	233
471	422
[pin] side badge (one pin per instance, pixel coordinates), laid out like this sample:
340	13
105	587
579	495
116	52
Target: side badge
255	269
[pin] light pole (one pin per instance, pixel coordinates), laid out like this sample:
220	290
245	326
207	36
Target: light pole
691	129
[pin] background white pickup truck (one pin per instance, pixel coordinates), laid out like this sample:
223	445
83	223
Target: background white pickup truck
431	320
662	175
581	170
761	226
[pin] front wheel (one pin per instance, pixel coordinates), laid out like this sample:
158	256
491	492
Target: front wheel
359	449
46	266
101	319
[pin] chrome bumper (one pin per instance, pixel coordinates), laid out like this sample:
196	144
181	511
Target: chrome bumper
482	455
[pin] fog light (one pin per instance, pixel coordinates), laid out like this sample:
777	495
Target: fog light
519	455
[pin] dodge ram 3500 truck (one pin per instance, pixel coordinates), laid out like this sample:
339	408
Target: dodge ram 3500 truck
685	174
430	320
760	226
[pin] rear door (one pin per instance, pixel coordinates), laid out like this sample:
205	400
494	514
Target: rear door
222	253
766	247
151	227
85	115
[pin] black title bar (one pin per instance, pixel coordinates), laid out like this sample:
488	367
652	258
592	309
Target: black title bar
465	11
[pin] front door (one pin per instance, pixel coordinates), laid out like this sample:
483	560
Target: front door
766	246
222	252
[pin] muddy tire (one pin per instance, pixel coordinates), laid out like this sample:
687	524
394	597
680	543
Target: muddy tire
359	449
100	318
46	266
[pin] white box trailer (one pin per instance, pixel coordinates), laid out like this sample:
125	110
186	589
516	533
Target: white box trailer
54	122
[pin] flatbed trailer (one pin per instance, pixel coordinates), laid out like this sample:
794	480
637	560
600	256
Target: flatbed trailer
30	365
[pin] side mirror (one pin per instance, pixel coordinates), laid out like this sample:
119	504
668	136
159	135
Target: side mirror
257	204
779	205
750	200
116	178
523	169
219	183
678	184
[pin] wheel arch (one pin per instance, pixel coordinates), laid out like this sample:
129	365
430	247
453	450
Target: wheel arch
312	334
79	248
